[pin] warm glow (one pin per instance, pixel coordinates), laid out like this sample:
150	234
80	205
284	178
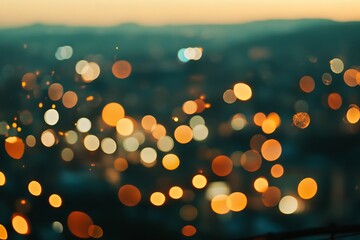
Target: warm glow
307	84
251	160
20	224
236	201
199	181
242	91
165	144
158	131
148	122
268	126
108	145
307	188
271	150
288	205
301	120
271	196
55	91
188	230
222	165
2	179
55	200
125	126
3	232
157	198
14	147
259	118
353	115
183	134
120	164
35	188
121	69
277	171
189	107
165	12
334	101
48	138
69	99
170	161
79	223
218	204
95	231
176	192
261	184
112	113
229	96
129	195
91	142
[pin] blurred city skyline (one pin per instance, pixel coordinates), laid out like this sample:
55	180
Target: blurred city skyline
160	12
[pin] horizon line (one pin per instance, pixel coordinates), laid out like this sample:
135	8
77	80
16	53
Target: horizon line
39	23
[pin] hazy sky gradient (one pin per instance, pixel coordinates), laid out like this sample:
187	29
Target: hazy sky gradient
154	12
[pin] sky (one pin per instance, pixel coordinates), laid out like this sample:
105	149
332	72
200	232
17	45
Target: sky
162	12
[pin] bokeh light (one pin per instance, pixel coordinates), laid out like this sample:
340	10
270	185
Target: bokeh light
307	84
108	145
353	114
188	231
337	65
301	120
199	181
55	91
334	101
112	113
55	200
288	205
271	196
121	69
236	201
69	99
48	138
277	170
91	142
129	195
242	91
95	231
83	125
183	134
170	161
2	179
78	223
189	107
221	165
176	192
35	188
271	149
261	184
20	224
229	96
219	204
157	199
148	155
14	147
125	126
307	188
251	160
3	232
51	117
